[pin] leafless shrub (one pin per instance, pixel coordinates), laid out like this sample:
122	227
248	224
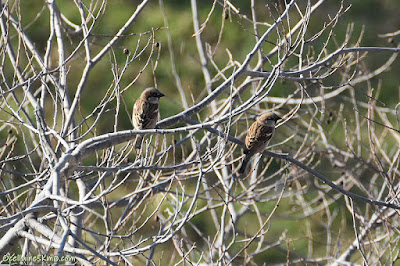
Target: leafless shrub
70	187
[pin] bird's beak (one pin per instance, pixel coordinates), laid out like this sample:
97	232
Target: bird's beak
160	94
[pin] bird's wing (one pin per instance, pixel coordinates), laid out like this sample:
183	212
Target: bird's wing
258	135
145	114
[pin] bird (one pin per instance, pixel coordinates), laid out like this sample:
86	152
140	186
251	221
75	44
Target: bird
258	136
145	112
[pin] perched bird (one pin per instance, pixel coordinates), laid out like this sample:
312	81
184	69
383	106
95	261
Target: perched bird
258	136
145	112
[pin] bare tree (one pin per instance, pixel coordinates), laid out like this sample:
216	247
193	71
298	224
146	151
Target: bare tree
325	191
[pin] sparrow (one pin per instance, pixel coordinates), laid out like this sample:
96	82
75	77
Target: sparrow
258	136
145	112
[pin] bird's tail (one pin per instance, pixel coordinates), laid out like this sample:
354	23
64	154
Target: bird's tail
244	164
138	142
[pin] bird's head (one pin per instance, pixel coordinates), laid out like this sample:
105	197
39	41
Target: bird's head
268	117
152	95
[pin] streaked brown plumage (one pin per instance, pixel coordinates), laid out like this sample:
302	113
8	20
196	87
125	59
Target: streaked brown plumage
258	136
145	112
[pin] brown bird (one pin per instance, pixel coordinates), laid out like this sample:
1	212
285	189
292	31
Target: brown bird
258	136
145	112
